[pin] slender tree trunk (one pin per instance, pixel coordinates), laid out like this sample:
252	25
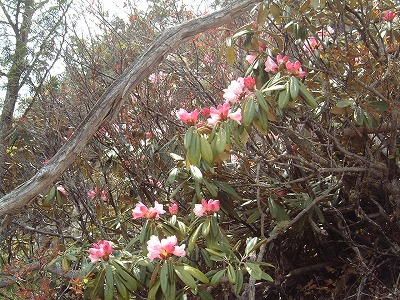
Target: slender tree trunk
13	83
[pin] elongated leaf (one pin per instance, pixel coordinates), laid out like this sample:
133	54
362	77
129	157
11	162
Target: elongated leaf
206	151
307	96
230	55
231	274
187	140
220	142
250	245
248	112
217	277
98	284
194	151
185	277
206	227
193	239
153	291
254	270
284	97
164	277
109	287
196	273
294	87
239	282
121	288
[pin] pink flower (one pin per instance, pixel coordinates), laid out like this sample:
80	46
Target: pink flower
234	90
103	195
221	113
153	78
250	58
173	209
148	134
389	16
100	250
208	59
62	190
281	59
249	82
46	161
186	117
206	208
270	65
142	211
165	248
205	112
295	69
91	194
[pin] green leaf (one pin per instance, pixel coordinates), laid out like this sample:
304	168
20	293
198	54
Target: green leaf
204	295
196	173
172	175
206	151
187	140
194	151
261	101
109	287
214	226
220	142
206	227
307	96
153	291
121	288
185	277
211	188
250	245
193	239
253	270
196	273
98	284
228	189
248	112
266	277
345	103
284	97
217	277
294	87
164	277
230	55
231	274
239	282
379	105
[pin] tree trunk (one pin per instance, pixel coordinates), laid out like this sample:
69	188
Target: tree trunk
113	98
13	82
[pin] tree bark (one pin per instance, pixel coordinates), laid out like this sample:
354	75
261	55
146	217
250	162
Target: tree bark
14	77
113	98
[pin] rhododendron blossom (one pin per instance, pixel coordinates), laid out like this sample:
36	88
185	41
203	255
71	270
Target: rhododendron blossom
270	65
103	195
250	58
173	209
62	190
186	117
165	248
206	208
295	69
100	250
221	113
389	16
142	211
238	88
91	194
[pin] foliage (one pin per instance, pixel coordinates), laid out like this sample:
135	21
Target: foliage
292	127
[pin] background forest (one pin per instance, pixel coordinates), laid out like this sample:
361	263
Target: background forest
231	150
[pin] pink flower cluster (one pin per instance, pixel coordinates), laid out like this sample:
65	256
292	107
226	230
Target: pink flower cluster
165	248
142	211
389	16
239	88
313	43
292	68
221	113
186	117
100	250
103	194
206	208
173	209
